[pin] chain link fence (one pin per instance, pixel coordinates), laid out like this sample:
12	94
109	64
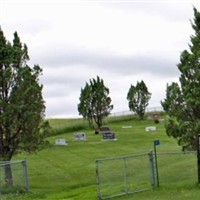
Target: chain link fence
130	174
177	169
13	177
122	175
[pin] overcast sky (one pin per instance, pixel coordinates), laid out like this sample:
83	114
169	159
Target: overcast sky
121	41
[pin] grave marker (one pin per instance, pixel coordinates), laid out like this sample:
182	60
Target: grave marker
150	128
108	136
60	141
126	126
79	136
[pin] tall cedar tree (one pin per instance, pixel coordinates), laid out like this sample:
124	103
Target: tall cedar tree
21	103
182	102
95	104
138	98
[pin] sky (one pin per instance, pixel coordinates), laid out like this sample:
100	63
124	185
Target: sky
122	42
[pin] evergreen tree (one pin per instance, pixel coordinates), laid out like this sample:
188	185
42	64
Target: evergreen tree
182	102
21	102
95	104
84	107
138	98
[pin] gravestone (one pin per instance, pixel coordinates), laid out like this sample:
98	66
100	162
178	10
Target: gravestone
126	126
108	136
104	129
60	142
150	128
79	136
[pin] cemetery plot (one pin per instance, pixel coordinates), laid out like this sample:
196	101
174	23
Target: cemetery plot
60	141
79	136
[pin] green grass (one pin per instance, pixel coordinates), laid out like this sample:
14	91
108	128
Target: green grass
60	126
68	172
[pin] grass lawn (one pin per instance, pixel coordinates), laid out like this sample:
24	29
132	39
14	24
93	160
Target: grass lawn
68	172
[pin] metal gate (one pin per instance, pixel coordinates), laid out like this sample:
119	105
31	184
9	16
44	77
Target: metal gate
124	175
130	174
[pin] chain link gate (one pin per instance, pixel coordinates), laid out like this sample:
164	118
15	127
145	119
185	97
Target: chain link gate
124	175
130	174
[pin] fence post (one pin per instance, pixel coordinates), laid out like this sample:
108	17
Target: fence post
198	158
125	176
156	142
25	175
152	171
97	181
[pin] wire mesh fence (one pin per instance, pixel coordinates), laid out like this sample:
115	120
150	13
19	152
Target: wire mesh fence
122	175
13	177
129	174
177	169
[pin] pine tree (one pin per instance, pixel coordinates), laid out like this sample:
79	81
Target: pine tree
138	98
95	104
182	102
21	102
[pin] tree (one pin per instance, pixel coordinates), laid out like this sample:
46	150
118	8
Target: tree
84	107
21	102
182	102
95	104
138	98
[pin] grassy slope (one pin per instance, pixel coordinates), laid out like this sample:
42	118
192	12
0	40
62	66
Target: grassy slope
68	172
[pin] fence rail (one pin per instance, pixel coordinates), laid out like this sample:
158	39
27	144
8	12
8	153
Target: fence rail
134	173
124	113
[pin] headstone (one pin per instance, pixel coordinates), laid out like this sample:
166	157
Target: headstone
108	136
126	126
150	128
79	136
104	129
60	142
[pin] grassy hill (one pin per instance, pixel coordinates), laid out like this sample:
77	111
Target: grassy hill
68	172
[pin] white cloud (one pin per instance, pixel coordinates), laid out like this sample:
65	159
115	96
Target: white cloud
121	41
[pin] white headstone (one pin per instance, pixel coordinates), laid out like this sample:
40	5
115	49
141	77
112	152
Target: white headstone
150	128
79	136
126	126
61	142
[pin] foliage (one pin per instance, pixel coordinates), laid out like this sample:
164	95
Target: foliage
138	97
95	104
182	102
21	102
84	107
